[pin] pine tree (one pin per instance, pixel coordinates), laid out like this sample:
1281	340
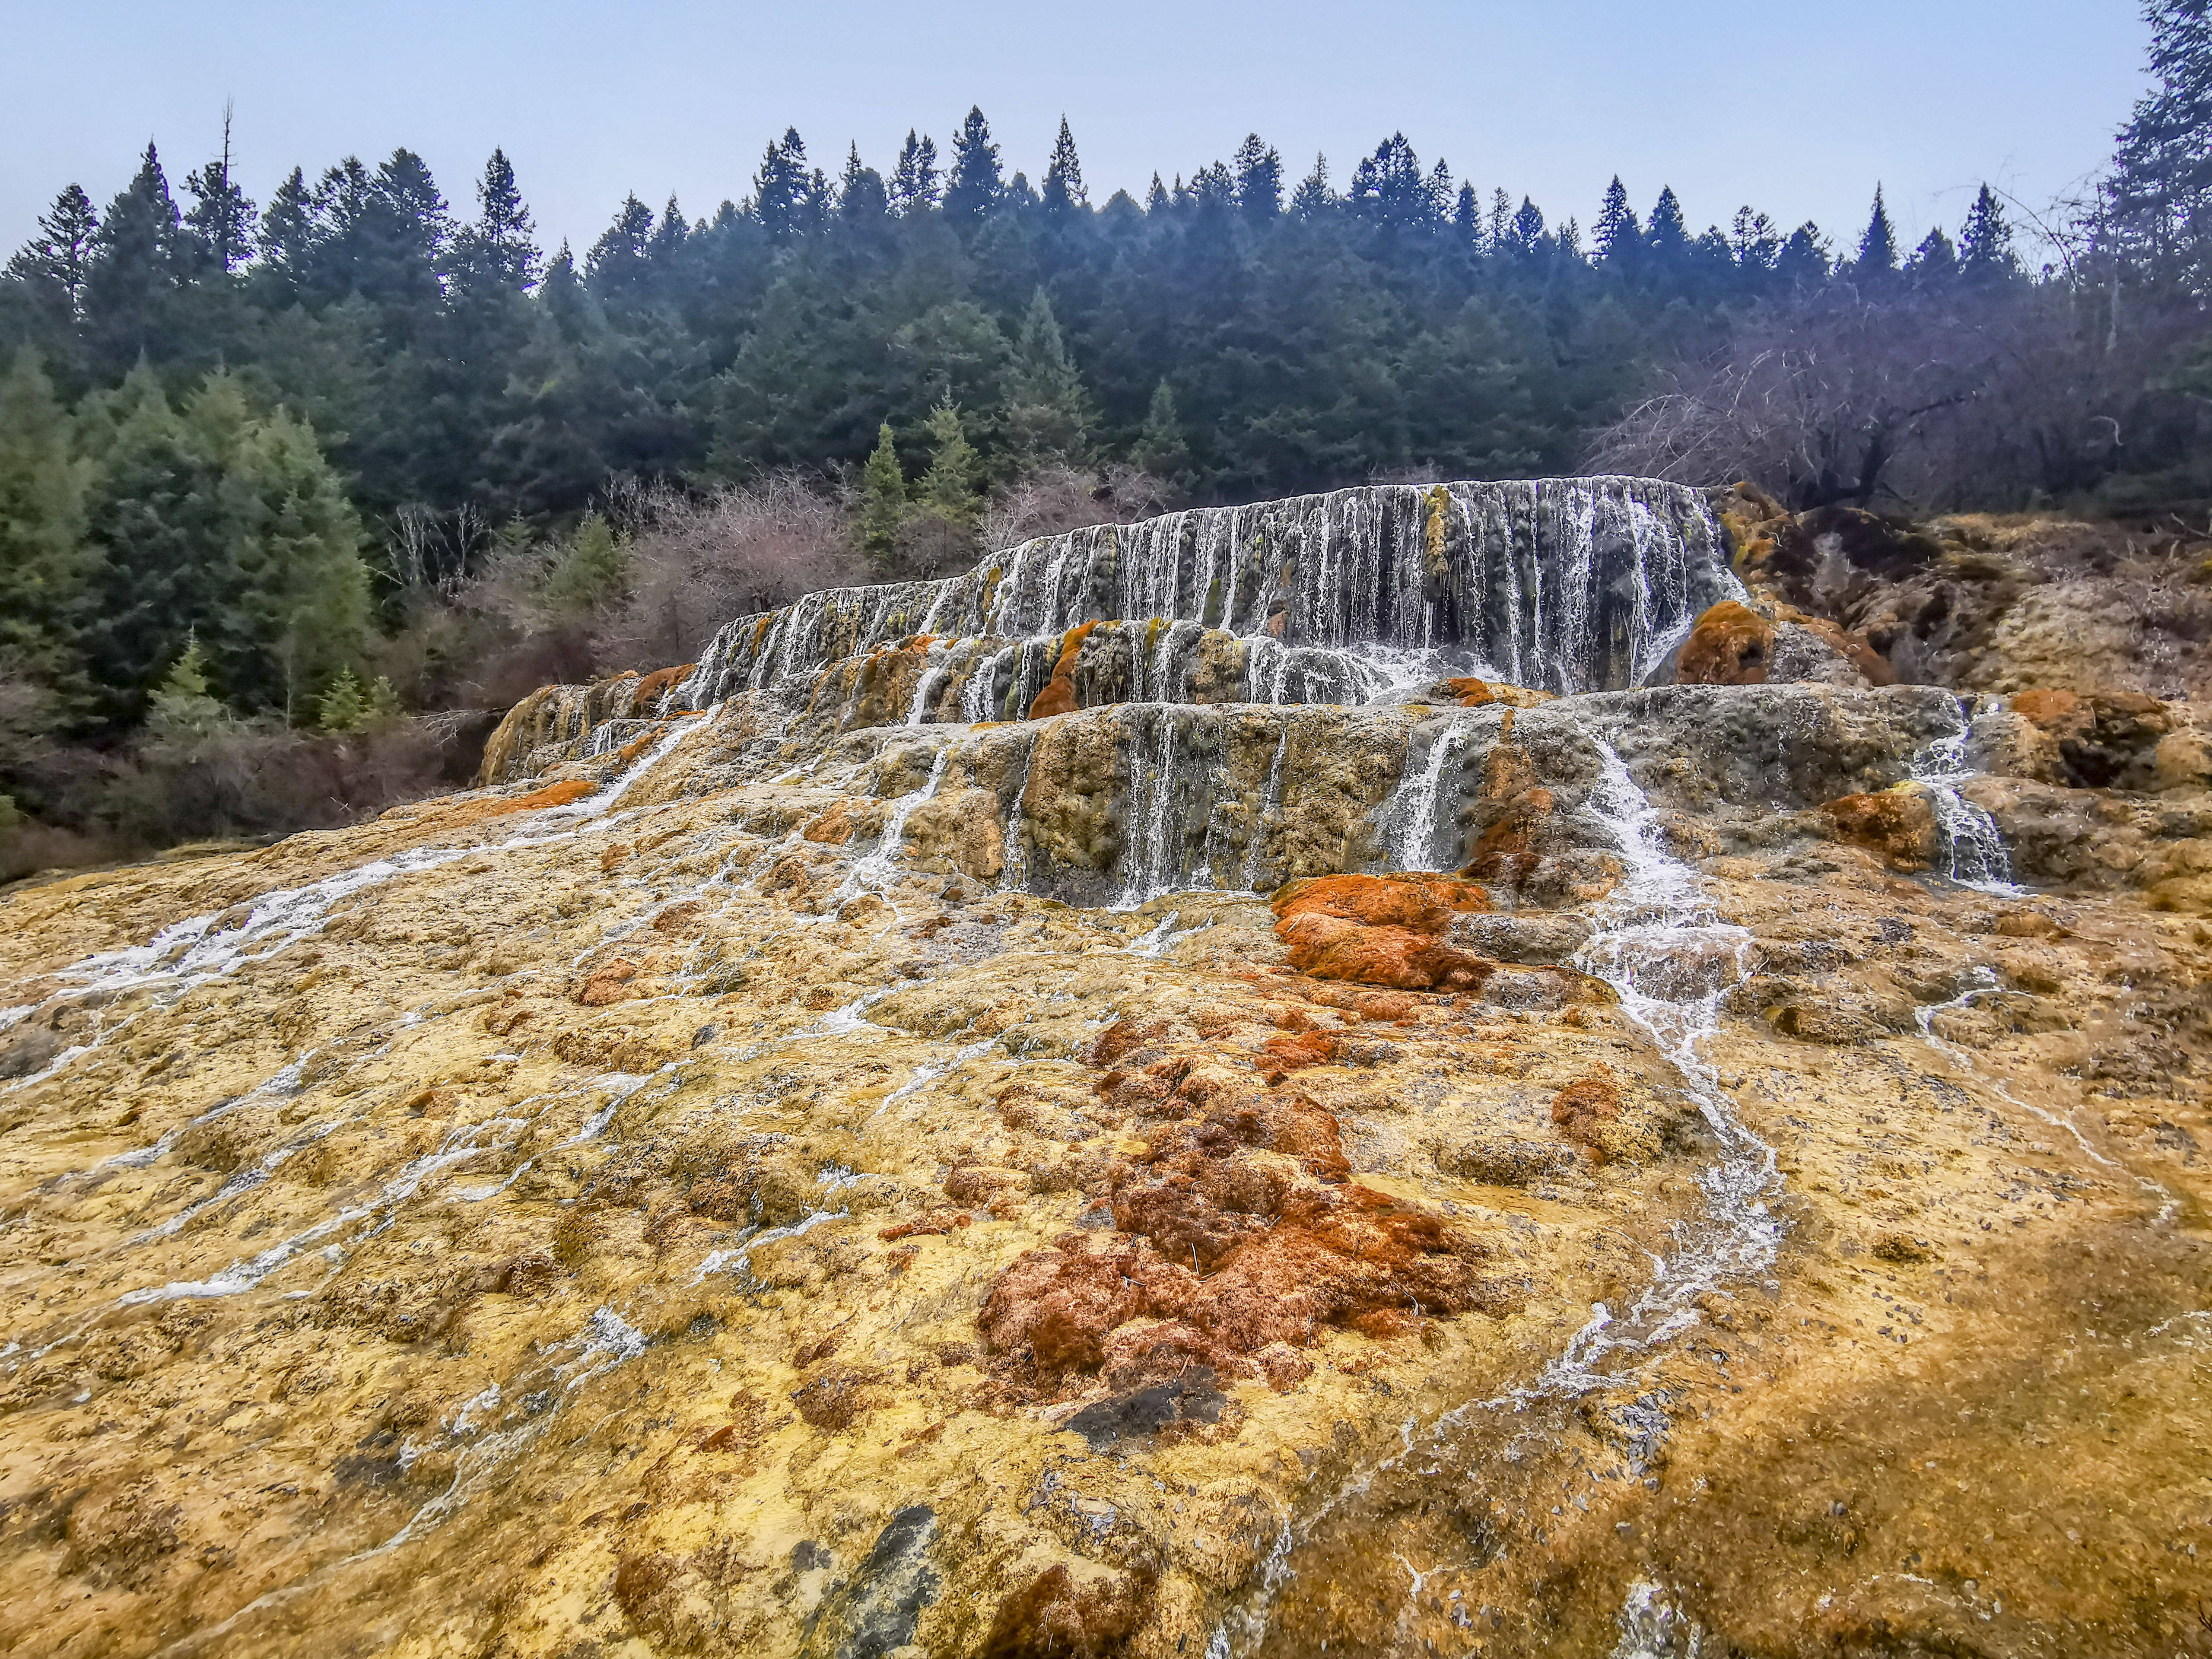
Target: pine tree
220	227
861	198
133	270
43	563
1877	257
341	710
1620	237
1313	197
1161	449
1500	238
1156	199
1048	413
1467	217
949	486
499	252
2160	195
915	180
53	263
1986	249
882	498
666	246
182	710
1668	235
1064	193
1935	261
783	190
382	706
1386	187
617	260
1754	242
287	243
1803	261
1527	227
975	185
592	569
1259	179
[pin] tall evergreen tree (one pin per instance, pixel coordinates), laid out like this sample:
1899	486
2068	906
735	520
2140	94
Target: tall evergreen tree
1312	198
973	188
1063	192
1803	261
1935	261
287	243
1619	236
862	197
1877	255
1985	247
43	566
882	498
783	190
617	260
1161	448
499	252
220	227
132	276
915	180
1259	167
53	263
1049	416
2160	194
1669	233
949	486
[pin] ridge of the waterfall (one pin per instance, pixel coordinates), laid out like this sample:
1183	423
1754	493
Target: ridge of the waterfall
1355	595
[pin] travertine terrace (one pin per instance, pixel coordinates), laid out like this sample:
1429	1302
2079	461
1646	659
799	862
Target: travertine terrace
1339	1079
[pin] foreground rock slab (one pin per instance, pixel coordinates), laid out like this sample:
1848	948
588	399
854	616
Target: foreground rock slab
752	1196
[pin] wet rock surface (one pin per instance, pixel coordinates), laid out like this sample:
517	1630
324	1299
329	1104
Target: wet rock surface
1721	1162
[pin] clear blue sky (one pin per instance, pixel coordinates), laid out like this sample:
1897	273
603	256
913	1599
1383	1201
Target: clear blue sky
1796	109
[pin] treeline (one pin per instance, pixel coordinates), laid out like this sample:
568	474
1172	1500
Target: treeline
355	451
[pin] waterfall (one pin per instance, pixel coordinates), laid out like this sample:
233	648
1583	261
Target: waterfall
1412	814
1360	595
1660	945
1973	851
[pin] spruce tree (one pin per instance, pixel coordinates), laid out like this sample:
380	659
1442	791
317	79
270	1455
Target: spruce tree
1619	236
882	498
286	245
949	486
1161	449
182	710
1986	249
43	562
1259	179
1312	198
1668	234
783	189
1063	192
342	708
1467	217
915	180
1877	256
1803	261
132	274
592	569
617	260
2160	195
220	227
53	263
1935	261
499	252
862	197
973	187
1049	416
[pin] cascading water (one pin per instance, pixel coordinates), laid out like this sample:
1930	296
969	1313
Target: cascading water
1973	851
1568	585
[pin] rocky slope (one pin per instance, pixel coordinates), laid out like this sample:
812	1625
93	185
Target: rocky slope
789	1166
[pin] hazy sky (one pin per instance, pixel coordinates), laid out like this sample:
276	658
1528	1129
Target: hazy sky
1796	109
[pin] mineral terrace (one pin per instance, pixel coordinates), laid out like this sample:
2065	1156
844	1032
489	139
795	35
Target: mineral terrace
1178	1122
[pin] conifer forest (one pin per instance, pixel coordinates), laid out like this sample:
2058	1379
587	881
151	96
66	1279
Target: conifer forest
367	455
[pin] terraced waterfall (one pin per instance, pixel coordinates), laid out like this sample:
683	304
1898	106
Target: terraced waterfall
1419	1070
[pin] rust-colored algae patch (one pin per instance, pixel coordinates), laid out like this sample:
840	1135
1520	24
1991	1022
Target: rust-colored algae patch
1381	930
1058	696
476	812
1729	644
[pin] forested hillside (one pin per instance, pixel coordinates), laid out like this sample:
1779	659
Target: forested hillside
367	447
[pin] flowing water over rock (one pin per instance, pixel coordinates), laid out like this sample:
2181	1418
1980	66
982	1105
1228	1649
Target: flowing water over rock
1236	1084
